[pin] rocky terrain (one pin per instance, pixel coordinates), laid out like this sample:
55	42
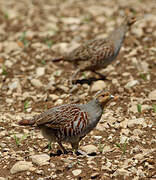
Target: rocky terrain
32	33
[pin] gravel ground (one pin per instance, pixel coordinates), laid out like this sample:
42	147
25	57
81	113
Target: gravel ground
123	145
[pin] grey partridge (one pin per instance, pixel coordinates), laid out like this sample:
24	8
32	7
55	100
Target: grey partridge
97	53
70	122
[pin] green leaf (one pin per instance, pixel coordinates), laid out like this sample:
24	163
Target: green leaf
23	39
125	146
154	107
26	105
17	140
49	146
139	107
4	71
144	76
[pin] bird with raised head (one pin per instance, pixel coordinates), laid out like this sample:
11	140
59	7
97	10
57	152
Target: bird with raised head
97	53
70	122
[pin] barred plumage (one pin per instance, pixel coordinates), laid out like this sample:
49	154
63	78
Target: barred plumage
70	122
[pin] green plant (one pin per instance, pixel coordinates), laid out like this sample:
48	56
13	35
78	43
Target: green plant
144	76
23	39
87	18
49	145
4	70
139	108
6	15
43	62
84	74
122	147
18	140
100	147
26	105
154	107
48	41
45	107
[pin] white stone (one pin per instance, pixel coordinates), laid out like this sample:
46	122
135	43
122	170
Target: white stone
123	139
36	83
95	175
139	156
71	20
144	67
54	97
134	122
58	102
98	85
152	95
131	84
41	159
106	149
89	149
2	178
60	47
64	88
124	123
76	172
13	85
137	132
138	31
97	137
11	46
21	166
40	71
8	63
121	172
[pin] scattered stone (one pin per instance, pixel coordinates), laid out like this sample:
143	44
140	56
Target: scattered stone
98	85
14	85
2	178
40	71
152	95
94	175
137	132
139	156
21	166
58	102
121	172
36	83
89	149
41	159
135	121
8	63
131	84
98	137
11	46
106	149
54	97
123	139
76	172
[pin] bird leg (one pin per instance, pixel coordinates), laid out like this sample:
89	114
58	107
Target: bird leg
62	148
72	79
99	74
75	146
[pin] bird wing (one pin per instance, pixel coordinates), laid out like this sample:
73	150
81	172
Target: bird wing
97	49
58	116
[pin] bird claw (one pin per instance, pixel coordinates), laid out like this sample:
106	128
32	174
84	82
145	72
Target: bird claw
79	152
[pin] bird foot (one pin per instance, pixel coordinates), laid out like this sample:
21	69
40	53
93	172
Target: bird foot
79	152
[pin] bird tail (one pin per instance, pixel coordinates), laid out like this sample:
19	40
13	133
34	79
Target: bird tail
26	122
58	59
